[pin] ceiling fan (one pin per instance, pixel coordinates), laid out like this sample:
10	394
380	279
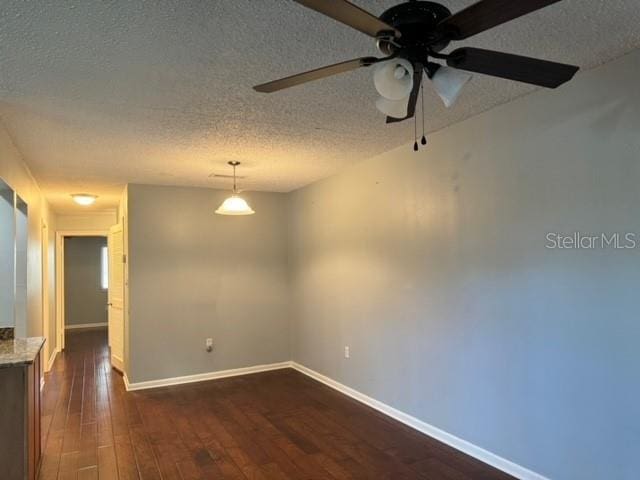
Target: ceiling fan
412	36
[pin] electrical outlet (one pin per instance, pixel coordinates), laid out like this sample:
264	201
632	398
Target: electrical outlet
209	344
347	353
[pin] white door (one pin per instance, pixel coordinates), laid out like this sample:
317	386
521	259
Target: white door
116	296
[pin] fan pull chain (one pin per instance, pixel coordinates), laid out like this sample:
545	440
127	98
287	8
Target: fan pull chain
415	134
423	141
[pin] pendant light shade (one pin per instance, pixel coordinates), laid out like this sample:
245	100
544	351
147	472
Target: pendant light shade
235	204
448	83
394	78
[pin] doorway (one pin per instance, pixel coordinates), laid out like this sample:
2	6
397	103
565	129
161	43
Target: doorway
86	283
90	287
81	294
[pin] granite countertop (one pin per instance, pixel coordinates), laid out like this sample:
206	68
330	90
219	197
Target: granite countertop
19	351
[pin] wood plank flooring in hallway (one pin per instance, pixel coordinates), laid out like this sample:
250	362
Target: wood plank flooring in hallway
274	425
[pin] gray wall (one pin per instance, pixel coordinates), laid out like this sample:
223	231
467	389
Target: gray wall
432	267
21	266
194	274
85	301
7	256
13	260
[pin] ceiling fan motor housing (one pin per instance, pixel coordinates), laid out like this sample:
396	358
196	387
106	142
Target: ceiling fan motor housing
417	22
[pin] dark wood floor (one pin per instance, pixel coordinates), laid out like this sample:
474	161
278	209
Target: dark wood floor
275	425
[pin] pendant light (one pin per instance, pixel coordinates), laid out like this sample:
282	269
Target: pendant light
235	204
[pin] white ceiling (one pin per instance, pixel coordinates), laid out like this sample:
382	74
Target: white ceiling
97	94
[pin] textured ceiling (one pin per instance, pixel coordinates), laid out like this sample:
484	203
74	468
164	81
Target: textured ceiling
97	94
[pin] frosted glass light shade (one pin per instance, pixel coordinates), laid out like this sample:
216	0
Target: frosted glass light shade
84	199
235	205
448	83
394	78
393	108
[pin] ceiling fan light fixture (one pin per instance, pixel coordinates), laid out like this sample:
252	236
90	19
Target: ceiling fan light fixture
235	204
413	31
393	108
393	79
448	84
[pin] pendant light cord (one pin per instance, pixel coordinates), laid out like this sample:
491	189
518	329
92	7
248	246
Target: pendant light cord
234	164
235	188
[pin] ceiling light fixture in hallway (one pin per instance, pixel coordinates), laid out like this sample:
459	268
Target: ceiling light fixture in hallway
84	199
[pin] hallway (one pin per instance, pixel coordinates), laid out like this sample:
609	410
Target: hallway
274	425
83	413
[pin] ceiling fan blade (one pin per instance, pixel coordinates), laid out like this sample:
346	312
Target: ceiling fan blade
513	67
351	15
413	97
487	14
316	74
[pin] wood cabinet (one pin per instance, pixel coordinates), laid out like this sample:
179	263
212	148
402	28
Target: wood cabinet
33	417
20	447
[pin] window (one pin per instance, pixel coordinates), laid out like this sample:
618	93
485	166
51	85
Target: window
104	268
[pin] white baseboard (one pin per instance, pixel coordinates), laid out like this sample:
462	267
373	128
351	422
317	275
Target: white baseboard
459	444
201	377
52	359
85	325
117	363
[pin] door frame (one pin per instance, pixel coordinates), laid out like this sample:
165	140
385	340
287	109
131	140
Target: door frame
60	235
